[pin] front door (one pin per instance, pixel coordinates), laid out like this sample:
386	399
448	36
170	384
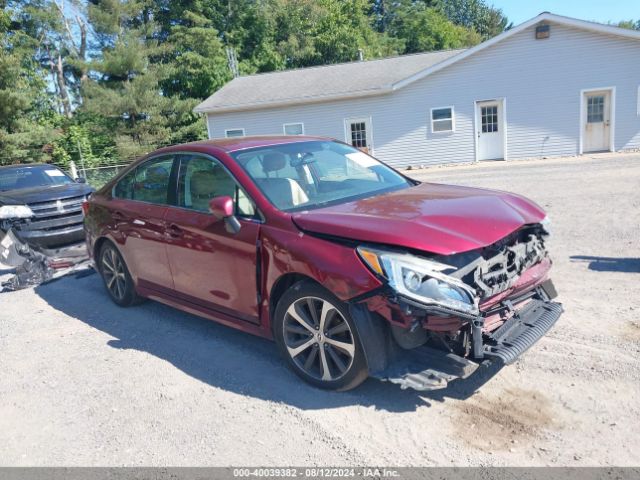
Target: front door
212	267
597	121
490	126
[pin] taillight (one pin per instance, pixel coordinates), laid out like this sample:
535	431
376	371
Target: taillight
85	207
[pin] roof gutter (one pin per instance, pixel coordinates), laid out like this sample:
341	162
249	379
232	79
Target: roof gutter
202	108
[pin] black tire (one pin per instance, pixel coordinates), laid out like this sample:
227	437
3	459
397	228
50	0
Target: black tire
297	334
116	277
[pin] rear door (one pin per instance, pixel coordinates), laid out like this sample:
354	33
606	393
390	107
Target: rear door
212	267
597	121
138	208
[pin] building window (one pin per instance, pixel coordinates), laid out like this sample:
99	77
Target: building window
489	118
359	134
442	119
234	132
595	109
293	128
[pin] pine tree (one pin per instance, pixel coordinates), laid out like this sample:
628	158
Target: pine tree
26	116
126	88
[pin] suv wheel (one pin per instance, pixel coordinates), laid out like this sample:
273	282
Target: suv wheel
116	276
316	335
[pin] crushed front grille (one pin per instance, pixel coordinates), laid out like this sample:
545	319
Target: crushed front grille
56	214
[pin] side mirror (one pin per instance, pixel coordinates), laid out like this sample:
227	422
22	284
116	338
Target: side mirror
222	209
81	180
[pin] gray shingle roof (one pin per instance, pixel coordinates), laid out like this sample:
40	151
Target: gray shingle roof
320	83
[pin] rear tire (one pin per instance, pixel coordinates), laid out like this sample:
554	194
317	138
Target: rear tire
317	337
116	277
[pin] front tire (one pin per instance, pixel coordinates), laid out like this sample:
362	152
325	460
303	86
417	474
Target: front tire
315	334
116	277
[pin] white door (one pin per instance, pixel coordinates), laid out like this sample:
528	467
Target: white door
596	133
358	133
490	125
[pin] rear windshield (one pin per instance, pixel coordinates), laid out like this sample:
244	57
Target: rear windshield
314	174
17	178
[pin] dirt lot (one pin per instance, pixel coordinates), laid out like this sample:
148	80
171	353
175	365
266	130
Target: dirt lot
83	382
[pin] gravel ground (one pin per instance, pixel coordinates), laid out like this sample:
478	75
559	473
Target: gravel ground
83	382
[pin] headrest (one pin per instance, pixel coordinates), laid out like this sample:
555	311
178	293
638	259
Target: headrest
273	161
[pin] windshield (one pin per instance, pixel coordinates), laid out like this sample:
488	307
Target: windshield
24	176
308	175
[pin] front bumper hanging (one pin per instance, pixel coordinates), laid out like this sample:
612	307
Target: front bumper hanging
521	331
426	368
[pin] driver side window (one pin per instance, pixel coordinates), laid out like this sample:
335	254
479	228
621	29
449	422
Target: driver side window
202	178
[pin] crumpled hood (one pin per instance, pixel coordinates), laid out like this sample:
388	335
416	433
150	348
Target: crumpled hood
44	194
441	219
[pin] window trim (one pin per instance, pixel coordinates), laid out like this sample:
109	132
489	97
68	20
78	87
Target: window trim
285	125
227	130
453	119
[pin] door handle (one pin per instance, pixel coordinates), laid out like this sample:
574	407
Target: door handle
117	215
175	231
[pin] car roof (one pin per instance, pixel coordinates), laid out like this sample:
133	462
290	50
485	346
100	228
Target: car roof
241	143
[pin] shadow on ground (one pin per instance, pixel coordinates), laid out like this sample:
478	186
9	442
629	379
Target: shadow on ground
609	264
225	358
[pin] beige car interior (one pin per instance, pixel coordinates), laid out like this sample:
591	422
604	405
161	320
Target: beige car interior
205	180
284	192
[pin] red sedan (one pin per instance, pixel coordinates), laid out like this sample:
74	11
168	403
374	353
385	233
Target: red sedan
354	269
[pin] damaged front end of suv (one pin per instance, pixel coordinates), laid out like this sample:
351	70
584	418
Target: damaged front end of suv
448	313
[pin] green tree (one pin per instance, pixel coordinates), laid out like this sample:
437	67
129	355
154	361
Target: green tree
424	29
629	24
126	88
27	123
199	62
309	32
477	15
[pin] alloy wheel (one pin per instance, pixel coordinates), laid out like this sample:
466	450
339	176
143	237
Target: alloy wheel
319	339
114	273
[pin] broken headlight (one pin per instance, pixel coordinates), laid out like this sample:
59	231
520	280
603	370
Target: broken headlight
421	279
9	212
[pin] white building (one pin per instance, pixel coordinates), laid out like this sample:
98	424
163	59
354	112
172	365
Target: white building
548	87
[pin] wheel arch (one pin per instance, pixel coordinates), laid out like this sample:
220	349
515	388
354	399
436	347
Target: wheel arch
97	246
281	285
372	328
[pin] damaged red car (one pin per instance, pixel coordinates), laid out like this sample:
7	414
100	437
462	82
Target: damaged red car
352	268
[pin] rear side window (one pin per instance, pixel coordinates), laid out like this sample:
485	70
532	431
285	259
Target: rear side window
149	182
124	188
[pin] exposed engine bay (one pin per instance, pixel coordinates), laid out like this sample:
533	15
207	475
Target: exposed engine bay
514	309
498	267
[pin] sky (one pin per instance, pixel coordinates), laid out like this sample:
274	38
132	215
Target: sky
518	11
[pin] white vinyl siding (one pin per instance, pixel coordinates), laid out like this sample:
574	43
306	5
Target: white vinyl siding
542	80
